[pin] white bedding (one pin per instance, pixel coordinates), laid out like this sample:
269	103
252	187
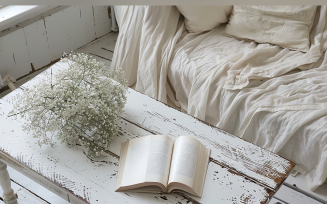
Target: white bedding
285	114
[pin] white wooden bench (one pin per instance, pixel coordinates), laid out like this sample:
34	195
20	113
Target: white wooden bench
238	170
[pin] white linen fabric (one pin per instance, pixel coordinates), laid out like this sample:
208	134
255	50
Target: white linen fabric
204	18
283	114
114	26
145	45
286	26
126	53
286	114
117	9
268	61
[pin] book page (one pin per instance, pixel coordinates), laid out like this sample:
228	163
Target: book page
188	166
159	158
148	160
184	160
136	160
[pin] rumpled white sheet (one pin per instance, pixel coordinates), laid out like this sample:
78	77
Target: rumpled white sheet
285	114
145	45
272	61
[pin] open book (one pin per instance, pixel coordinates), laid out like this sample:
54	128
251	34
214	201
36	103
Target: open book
154	164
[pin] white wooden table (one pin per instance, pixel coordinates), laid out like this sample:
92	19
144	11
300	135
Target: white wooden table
238	172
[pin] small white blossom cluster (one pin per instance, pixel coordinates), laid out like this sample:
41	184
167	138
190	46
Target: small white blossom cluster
78	105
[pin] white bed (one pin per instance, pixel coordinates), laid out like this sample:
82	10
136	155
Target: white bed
283	110
286	114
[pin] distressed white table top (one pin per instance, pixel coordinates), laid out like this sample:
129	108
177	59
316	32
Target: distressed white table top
238	172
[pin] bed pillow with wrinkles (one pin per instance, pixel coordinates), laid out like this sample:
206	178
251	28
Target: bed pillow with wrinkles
285	26
204	18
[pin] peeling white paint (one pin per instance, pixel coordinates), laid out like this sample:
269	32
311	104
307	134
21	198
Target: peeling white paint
238	171
246	158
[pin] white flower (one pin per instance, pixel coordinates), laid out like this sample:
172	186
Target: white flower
80	104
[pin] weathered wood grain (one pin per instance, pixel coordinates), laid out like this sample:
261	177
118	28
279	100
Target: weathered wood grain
56	34
101	20
238	171
289	195
228	150
102	49
24	196
300	184
14	54
37	44
40	40
276	201
87	24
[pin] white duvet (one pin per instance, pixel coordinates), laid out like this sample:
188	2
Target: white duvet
286	115
231	84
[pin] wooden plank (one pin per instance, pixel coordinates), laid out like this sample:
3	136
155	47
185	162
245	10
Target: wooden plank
73	27
33	187
24	196
291	196
3	70
14	54
110	44
37	44
59	30
97	47
106	42
93	180
300	183
103	53
88	25
64	171
57	34
102	20
90	180
265	167
276	201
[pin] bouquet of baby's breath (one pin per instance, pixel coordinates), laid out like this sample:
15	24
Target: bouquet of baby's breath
77	105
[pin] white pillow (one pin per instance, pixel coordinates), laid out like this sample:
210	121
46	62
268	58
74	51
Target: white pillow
286	26
204	18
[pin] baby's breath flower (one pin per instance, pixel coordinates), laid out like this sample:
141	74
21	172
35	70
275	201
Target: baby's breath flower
79	105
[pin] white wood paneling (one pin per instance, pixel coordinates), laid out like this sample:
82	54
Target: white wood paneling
37	44
87	26
73	27
57	34
276	201
14	54
102	20
301	184
291	196
45	37
3	70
